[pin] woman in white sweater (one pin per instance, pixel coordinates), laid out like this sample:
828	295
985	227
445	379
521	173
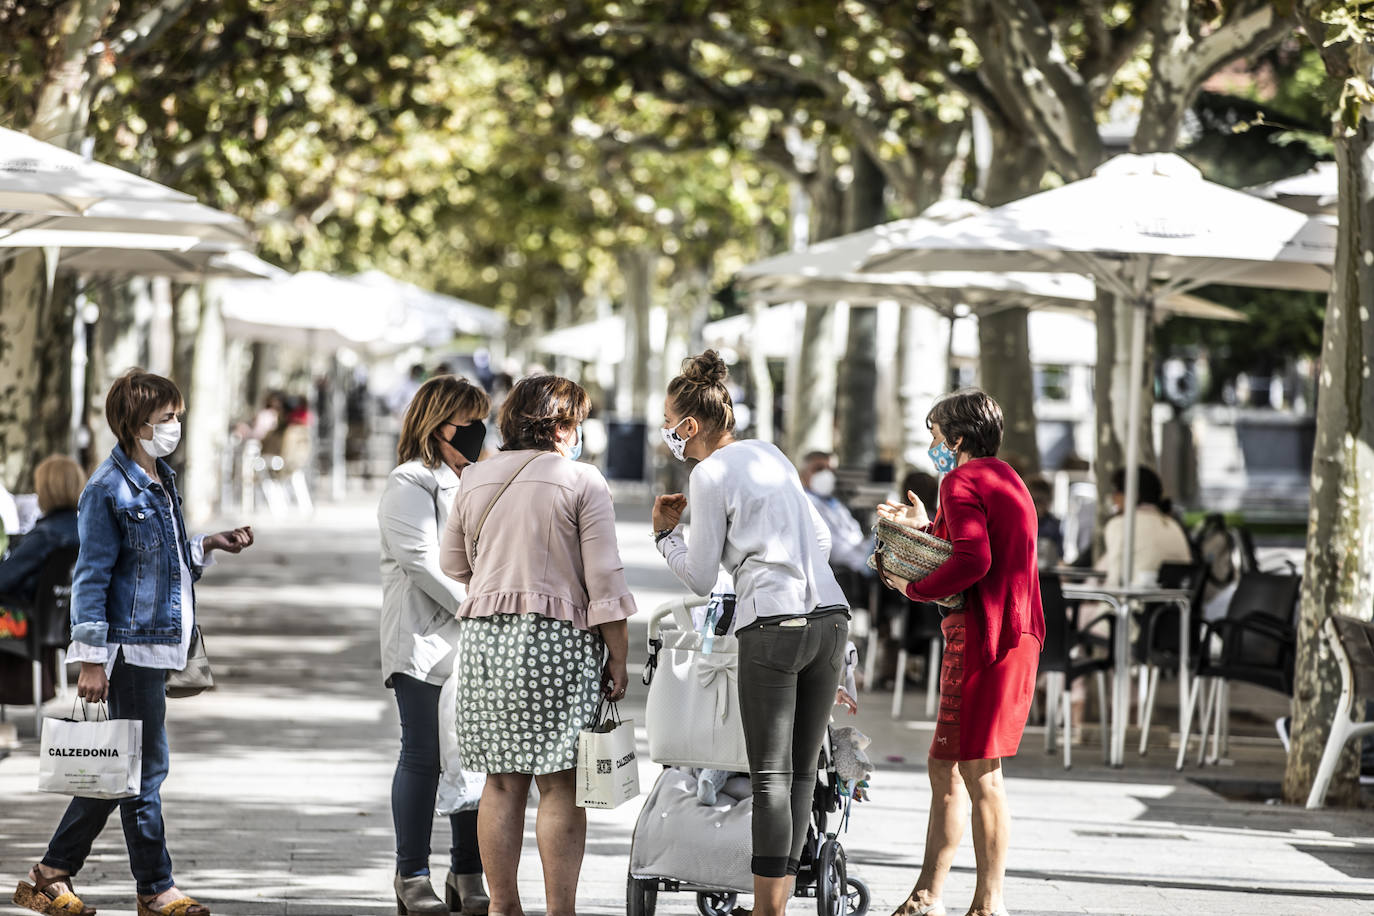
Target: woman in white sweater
750	513
441	434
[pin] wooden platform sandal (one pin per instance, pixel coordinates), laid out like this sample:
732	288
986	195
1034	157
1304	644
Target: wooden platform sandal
42	896
184	906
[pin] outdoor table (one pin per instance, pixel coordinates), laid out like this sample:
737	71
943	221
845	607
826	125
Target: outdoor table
1121	598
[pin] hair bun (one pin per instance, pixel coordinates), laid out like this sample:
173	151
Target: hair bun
706	369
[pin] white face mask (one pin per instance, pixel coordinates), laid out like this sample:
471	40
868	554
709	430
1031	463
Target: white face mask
676	444
166	436
823	483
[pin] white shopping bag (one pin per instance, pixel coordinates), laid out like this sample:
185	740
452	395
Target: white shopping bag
607	771
101	759
458	790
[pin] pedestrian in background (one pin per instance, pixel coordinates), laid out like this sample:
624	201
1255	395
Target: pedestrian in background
441	434
750	513
992	645
133	609
543	634
58	481
849	545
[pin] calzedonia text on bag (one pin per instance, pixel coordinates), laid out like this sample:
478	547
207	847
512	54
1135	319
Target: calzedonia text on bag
83	752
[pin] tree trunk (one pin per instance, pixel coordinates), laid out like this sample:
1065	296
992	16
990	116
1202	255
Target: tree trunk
208	417
632	391
856	401
36	339
1005	373
810	414
1004	361
1339	573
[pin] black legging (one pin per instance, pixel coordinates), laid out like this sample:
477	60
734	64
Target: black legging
787	681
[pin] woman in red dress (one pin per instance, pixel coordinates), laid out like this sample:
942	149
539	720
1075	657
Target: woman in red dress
992	644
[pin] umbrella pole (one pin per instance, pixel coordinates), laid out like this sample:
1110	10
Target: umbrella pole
1139	315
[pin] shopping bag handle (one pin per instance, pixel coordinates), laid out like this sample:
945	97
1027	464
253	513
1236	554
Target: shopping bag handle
102	711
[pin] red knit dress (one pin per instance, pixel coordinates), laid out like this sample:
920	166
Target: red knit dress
992	646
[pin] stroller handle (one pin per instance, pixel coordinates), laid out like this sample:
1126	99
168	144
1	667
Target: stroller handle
679	608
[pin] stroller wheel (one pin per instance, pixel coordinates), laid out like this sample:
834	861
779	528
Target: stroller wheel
858	897
832	886
716	903
641	896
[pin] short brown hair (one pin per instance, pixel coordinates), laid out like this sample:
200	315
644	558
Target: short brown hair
58	481
537	407
700	392
972	415
132	399
435	401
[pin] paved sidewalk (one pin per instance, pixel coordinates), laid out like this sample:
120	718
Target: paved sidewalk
278	800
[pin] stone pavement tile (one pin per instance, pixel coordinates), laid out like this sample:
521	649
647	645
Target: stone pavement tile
278	799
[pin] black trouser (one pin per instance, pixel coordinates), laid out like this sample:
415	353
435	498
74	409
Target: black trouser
787	680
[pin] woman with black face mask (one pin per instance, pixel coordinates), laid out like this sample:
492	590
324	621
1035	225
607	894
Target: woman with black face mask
441	434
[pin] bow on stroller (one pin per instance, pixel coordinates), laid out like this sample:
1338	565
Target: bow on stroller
681	845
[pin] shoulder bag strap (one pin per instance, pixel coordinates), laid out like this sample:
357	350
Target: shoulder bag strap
477	532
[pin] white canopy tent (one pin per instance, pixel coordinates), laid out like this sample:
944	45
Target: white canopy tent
192	221
1146	228
446	315
1315	192
201	262
830	271
39	178
317	310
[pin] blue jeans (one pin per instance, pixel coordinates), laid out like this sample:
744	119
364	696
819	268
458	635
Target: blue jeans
416	783
135	693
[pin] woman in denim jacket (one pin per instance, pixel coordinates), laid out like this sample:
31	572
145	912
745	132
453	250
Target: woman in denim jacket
133	608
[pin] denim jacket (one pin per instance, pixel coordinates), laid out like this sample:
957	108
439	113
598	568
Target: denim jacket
20	571
127	585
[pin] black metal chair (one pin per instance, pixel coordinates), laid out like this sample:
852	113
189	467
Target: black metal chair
1255	643
1156	647
49	625
1062	667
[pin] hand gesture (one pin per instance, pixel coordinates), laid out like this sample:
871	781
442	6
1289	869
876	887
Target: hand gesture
229	541
912	516
668	509
842	698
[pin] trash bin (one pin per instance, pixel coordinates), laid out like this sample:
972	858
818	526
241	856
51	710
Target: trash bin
625	449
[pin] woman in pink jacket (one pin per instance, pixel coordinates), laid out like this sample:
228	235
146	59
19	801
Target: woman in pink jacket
542	635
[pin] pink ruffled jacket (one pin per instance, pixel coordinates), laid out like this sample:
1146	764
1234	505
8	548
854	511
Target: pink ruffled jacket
548	547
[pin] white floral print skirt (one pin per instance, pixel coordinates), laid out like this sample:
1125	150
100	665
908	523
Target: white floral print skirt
527	685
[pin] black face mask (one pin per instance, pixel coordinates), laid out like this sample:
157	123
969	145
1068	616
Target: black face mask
468	440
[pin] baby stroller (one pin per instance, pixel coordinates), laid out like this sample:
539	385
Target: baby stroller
680	845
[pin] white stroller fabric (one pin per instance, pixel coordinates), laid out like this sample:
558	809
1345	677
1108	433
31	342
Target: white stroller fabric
693	714
679	838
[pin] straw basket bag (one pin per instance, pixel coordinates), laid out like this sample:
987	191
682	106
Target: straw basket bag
911	554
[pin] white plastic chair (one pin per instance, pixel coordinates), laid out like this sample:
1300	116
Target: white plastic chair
1352	643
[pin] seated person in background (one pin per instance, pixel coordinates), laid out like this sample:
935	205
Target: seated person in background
925	486
1159	538
59	481
849	546
1049	536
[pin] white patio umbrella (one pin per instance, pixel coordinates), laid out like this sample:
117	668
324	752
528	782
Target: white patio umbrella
445	314
202	262
118	217
314	310
1144	227
37	177
1315	192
